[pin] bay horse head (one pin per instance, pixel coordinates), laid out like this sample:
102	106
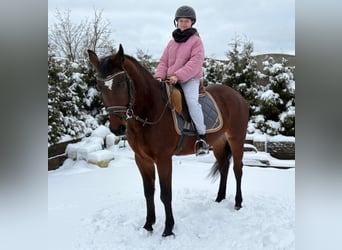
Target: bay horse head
115	87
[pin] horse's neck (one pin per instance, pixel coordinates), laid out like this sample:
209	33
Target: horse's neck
146	91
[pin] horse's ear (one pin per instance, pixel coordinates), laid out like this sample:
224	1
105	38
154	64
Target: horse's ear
121	53
94	59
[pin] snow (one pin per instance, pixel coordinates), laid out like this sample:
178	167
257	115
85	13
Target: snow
258	137
101	131
281	138
269	95
82	149
100	155
292	86
104	208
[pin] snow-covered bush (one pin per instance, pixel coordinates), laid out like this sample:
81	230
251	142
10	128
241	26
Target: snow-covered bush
277	101
74	105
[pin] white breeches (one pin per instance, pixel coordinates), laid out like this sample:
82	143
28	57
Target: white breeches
190	89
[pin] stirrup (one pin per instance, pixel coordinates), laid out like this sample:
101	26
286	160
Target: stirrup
203	148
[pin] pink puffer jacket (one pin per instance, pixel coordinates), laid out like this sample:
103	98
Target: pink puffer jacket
185	60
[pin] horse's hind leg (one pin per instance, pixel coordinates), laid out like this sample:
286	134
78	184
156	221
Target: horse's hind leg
222	154
237	151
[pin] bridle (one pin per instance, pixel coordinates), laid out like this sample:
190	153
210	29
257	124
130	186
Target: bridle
128	109
117	110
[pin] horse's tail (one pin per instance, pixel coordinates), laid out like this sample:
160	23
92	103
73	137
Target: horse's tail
216	168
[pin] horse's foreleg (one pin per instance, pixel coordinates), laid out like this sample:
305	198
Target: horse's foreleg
149	196
236	146
147	171
164	167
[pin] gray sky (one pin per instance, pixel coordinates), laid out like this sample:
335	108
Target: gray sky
148	24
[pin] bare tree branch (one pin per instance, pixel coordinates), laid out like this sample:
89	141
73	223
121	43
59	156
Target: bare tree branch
72	40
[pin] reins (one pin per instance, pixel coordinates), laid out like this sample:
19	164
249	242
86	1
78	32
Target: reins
128	110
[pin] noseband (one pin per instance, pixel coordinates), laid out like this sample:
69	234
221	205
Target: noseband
128	110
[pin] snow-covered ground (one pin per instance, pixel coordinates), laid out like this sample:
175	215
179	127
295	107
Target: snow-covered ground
104	208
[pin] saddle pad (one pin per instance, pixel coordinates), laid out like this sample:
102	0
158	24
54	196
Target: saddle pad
211	113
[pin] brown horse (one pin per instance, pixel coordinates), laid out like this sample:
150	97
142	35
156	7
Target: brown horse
137	108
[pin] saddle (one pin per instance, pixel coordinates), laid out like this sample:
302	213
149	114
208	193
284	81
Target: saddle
180	112
178	102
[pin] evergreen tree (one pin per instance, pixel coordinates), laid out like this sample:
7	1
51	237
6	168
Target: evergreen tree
241	72
146	61
55	117
92	100
213	71
277	101
69	100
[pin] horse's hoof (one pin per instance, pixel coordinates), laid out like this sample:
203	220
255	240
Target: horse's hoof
166	234
218	200
148	228
237	207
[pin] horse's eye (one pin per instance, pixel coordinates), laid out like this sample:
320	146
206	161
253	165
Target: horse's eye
118	85
98	87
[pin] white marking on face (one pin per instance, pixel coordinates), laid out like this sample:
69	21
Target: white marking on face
109	84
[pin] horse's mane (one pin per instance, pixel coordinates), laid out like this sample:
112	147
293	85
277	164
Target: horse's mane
137	64
106	66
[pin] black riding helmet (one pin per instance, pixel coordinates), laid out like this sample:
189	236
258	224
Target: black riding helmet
185	12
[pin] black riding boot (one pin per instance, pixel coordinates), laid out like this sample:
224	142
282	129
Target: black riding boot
202	145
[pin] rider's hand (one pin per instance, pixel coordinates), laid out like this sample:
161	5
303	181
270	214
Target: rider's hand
173	79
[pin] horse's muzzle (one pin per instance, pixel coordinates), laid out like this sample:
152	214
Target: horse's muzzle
121	130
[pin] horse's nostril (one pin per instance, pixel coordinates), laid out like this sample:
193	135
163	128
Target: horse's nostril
121	130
